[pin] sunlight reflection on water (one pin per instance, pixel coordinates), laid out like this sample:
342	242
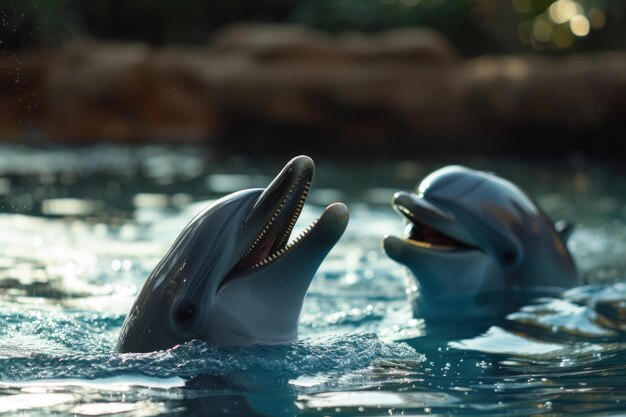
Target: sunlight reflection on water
82	229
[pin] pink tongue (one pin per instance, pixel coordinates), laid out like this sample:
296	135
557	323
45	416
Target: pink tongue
263	251
258	254
436	238
423	233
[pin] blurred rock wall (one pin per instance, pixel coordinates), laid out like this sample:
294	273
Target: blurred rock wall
286	88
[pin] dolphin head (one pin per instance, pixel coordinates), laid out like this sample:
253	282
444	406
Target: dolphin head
477	246
232	277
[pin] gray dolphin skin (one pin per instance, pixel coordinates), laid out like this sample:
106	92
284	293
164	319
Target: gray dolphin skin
232	277
477	246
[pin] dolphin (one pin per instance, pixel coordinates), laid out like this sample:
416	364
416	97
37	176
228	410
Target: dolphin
232	278
477	246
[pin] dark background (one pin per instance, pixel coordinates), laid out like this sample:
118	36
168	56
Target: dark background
474	26
489	76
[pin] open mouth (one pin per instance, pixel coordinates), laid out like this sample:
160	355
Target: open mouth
287	197
420	234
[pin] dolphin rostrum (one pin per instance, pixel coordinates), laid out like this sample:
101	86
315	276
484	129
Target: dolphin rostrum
232	277
478	246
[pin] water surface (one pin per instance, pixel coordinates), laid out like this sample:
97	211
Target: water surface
82	228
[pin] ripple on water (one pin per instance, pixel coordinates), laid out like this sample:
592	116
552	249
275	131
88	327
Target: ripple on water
68	278
332	356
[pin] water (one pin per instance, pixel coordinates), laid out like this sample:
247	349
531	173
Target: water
82	228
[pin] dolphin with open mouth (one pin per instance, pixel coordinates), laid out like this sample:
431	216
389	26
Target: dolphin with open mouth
232	277
478	246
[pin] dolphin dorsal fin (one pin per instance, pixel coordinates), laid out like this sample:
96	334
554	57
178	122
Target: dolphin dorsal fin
564	229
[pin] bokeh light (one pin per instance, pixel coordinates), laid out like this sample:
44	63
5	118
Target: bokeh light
579	25
563	11
542	29
557	25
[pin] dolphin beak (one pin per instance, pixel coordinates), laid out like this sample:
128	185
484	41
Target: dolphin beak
264	304
395	248
303	260
295	270
440	272
271	255
432	225
299	167
412	206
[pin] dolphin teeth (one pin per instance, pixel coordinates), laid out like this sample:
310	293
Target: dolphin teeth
283	244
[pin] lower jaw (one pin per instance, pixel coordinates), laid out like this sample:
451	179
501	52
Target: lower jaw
433	246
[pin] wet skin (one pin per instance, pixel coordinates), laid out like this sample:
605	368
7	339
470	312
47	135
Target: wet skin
477	246
232	277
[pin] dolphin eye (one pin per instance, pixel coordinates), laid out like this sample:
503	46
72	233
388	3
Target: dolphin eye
508	258
186	314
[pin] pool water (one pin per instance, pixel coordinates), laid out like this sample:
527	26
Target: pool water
81	229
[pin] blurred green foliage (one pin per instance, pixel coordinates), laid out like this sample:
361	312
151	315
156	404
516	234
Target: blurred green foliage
474	26
454	18
569	25
370	15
